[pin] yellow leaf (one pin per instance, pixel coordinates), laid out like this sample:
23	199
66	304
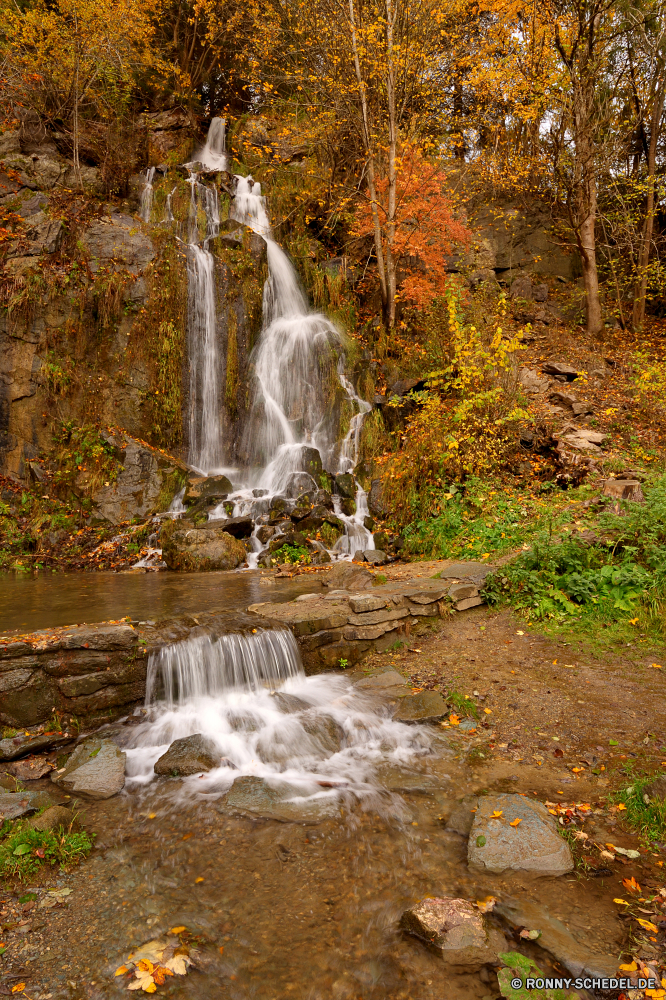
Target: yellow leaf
496	814
200	879
145	965
18	988
648	925
488	711
121	971
657	994
454	720
176	930
621	806
629	967
515	822
486	904
633	621
657	666
623	902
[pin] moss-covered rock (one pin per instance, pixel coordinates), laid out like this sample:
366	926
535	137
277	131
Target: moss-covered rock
195	550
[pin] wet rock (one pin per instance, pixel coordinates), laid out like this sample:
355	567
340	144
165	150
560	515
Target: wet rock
345	485
298	482
200	487
395	778
388	682
348	576
456	930
30	769
309	525
146	483
375	556
462	817
189	755
289	703
360	603
426	706
556	938
376	503
95	770
191	549
51	819
15	804
239	527
624	489
265	532
534	845
18	746
324	730
277	800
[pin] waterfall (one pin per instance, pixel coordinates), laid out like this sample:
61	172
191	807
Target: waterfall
203	666
146	204
213	156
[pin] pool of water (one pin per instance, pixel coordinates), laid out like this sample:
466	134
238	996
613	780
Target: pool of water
45	601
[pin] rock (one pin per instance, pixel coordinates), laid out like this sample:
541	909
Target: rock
200	487
456	930
403	386
349	576
360	603
18	746
96	770
345	485
533	846
521	288
461	819
584	439
376	504
146	483
44	235
560	371
323	728
426	706
311	463
54	817
540	292
289	703
239	527
378	617
556	938
189	755
429	596
199	549
265	532
116	243
468	603
30	769
461	591
624	489
375	556
15	804
388	682
530	381
466	571
298	482
278	800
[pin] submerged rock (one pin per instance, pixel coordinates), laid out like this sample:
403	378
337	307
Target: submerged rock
324	730
192	550
277	800
426	706
532	845
462	817
556	938
96	770
189	755
14	804
455	930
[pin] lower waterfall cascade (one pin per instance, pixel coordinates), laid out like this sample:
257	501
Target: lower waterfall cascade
289	420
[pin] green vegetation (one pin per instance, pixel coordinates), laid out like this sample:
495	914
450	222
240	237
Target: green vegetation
462	704
520	967
293	554
645	814
24	851
616	580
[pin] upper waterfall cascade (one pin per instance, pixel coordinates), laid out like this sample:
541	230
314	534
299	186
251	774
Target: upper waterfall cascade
298	354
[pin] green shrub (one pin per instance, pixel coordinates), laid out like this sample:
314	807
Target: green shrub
24	851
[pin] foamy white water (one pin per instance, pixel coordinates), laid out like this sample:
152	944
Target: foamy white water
249	696
146	205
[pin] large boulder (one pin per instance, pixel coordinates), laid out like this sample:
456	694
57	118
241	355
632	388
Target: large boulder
147	481
531	845
426	706
349	576
189	755
201	487
456	930
195	550
95	770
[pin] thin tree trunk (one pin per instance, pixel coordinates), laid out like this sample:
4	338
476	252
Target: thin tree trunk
77	163
640	290
372	187
392	172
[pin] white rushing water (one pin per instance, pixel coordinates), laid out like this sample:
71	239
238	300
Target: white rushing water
146	205
248	695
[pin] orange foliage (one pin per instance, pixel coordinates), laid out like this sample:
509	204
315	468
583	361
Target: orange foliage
427	232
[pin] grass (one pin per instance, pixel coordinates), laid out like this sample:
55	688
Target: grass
647	818
24	852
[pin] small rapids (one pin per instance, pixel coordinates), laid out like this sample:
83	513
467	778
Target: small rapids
248	694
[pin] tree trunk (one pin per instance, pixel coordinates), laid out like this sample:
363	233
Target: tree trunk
392	173
640	288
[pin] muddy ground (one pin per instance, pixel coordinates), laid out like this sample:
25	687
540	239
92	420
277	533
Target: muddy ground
283	910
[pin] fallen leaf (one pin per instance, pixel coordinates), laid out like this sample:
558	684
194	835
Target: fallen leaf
144	978
520	633
607	855
488	711
623	902
200	879
178	964
629	967
160	973
454	720
530	935
657	666
18	988
613	743
558	752
486	904
121	970
648	925
177	930
657	994
515	822
621	806
496	814
631	884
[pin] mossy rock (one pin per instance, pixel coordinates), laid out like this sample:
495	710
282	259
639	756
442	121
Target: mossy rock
189	549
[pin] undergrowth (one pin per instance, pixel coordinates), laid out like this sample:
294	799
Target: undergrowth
617	581
645	814
24	851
